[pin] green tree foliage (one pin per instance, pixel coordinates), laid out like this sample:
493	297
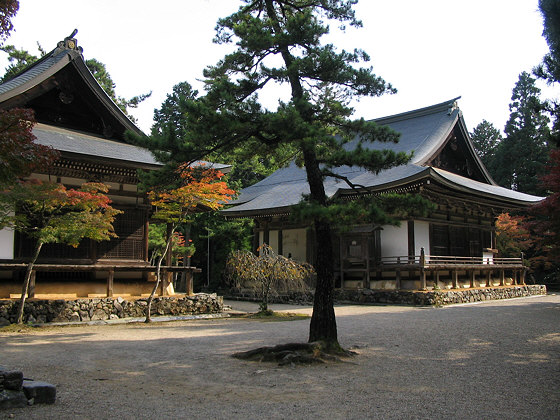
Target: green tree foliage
486	139
248	166
267	274
549	69
547	213
521	156
20	59
278	42
49	213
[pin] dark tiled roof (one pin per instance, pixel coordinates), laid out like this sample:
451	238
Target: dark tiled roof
422	131
34	72
75	142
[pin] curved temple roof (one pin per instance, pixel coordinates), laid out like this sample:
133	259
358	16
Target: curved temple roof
424	132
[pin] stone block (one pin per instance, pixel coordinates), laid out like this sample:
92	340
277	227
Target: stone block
12	399
39	392
13	379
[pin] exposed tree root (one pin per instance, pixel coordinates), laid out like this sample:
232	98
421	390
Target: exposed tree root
296	353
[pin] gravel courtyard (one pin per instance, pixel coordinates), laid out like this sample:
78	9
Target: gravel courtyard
495	360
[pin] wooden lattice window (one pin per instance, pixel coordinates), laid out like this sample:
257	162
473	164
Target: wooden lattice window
129	226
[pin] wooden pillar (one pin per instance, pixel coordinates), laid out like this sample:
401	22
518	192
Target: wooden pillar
255	241
166	278
411	241
145	238
472	277
31	290
266	234
489	278
422	269
502	277
189	282
110	279
523	274
398	285
280	245
455	277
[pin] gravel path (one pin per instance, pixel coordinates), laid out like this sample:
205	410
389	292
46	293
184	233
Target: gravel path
495	360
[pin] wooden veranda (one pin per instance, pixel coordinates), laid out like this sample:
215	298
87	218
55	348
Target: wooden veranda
425	268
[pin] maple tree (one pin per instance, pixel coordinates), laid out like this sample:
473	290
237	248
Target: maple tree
19	154
8	10
197	189
48	212
512	235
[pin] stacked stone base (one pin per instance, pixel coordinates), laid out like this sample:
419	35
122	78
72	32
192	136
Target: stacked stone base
15	391
440	297
408	297
100	309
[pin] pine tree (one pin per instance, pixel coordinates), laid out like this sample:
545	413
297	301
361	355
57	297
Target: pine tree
522	155
486	139
279	42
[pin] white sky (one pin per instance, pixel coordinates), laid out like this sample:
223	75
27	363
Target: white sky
430	50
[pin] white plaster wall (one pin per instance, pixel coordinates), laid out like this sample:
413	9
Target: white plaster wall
273	240
6	244
394	241
421	237
294	241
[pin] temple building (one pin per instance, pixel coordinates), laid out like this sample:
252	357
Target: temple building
77	118
453	247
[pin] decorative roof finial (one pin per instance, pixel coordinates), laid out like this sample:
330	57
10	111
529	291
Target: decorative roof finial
70	43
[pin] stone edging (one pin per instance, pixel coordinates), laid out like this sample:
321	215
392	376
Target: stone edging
100	309
410	297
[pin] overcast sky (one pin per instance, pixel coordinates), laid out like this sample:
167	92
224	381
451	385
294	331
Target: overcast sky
430	50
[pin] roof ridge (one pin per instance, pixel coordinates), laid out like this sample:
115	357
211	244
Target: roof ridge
68	44
448	105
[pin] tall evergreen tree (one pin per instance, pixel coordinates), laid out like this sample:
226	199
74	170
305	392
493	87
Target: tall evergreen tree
486	139
279	42
522	155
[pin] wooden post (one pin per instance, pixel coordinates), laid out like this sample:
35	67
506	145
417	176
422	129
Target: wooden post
502	277
523	274
189	282
398	281
489	278
31	291
455	276
472	278
110	279
168	259
422	269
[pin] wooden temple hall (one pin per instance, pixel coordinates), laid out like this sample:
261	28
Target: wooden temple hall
77	118
454	247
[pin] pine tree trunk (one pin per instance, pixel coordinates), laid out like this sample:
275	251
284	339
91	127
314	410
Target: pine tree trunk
25	287
323	321
158	276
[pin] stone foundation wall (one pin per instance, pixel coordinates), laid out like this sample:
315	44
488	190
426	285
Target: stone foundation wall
80	310
410	297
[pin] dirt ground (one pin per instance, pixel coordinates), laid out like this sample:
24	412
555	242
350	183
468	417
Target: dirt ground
493	360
